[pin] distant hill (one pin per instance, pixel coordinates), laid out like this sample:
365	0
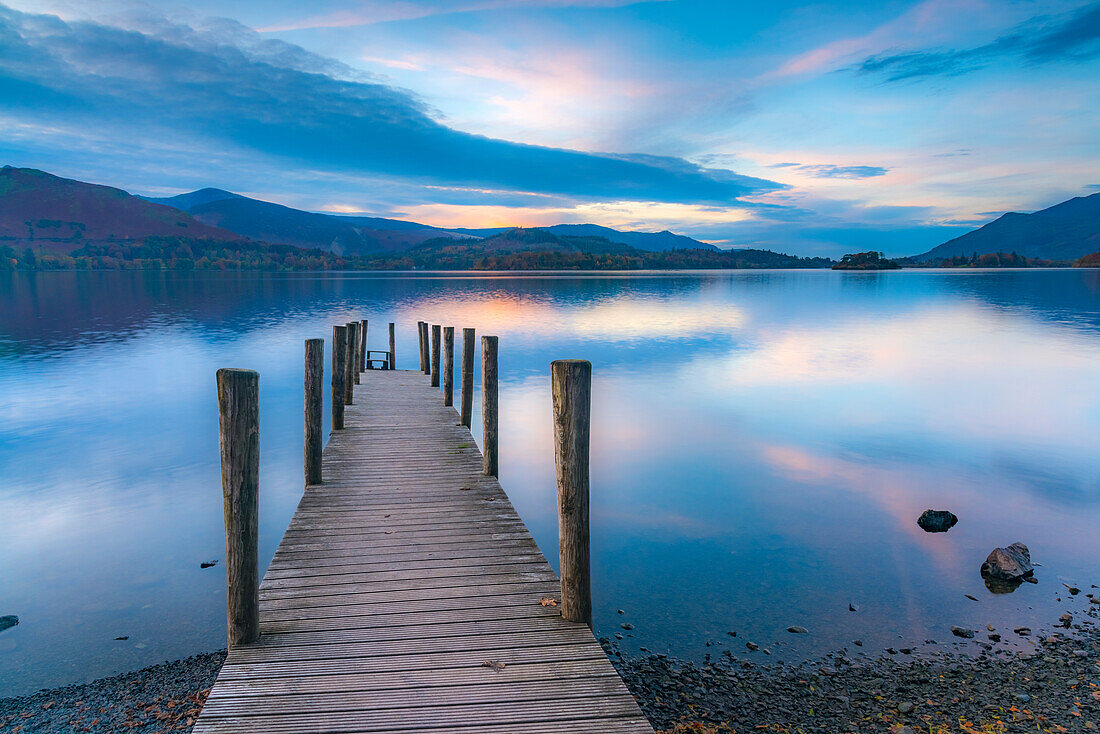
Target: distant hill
278	224
187	202
541	249
524	239
48	223
1092	260
653	241
57	215
1065	231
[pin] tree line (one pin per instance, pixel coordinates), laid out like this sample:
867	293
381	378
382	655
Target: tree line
181	253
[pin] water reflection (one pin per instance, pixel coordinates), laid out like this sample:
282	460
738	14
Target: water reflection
763	445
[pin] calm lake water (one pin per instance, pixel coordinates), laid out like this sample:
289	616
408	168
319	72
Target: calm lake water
763	443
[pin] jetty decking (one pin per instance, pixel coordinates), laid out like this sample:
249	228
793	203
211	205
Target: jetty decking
408	596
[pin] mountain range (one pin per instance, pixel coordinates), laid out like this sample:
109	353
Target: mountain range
277	224
1065	231
356	235
56	216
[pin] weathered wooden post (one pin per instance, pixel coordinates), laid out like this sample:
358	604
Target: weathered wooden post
448	365
420	343
339	374
467	376
425	357
489	417
393	348
315	375
435	354
353	351
349	365
239	420
363	345
571	383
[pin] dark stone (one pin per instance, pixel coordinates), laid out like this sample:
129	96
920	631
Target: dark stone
797	630
962	632
9	620
1002	586
627	626
124	637
937	521
1008	564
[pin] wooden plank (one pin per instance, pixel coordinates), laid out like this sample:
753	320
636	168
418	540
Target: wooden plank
289	612
373	699
454	632
515	713
409	679
406	595
408	662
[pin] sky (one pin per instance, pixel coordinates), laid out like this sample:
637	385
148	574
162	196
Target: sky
811	128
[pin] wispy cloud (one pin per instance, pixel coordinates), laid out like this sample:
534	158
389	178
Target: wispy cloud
1073	37
367	12
229	88
829	170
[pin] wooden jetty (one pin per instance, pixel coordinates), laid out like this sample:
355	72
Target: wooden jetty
407	595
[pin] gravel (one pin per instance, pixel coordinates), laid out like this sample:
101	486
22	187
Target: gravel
1055	687
161	698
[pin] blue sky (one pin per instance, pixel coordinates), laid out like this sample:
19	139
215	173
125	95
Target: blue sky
810	128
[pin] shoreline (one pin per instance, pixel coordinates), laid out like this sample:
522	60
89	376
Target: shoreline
1053	688
168	695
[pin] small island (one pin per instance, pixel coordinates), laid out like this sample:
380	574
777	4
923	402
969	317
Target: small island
866	261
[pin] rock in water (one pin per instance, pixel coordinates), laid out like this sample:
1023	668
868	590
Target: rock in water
1008	564
9	620
794	630
937	521
962	632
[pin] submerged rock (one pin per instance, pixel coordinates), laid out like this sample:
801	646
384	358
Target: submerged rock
795	630
1001	586
8	620
937	521
1008	564
962	632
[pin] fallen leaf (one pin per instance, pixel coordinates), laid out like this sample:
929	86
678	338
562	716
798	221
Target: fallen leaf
494	664
547	601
